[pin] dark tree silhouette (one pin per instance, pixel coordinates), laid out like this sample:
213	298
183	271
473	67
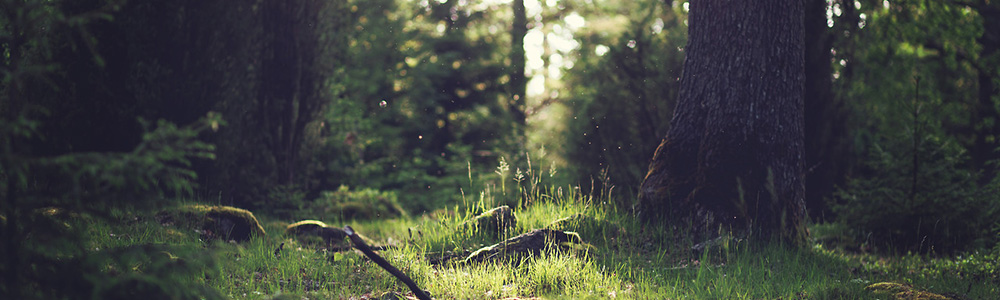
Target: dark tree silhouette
733	157
290	94
826	141
518	85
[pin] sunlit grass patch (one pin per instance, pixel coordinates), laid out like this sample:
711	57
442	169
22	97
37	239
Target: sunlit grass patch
621	258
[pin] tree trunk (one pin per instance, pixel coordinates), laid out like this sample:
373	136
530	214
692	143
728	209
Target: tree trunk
518	84
733	158
825	116
984	149
289	85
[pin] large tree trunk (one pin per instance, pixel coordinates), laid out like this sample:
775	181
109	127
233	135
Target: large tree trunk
733	158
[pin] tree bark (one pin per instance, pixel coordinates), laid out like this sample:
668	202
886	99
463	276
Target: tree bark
733	157
518	83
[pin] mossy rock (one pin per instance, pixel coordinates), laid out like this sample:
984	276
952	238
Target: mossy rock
900	291
304	227
226	222
494	222
316	232
531	243
588	227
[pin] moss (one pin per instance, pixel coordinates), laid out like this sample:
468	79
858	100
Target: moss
233	223
887	287
226	222
901	291
496	222
303	226
312	231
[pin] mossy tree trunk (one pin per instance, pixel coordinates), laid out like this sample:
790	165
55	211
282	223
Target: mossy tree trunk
733	158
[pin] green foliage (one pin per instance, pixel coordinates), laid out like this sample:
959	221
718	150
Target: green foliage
52	194
645	262
408	103
418	103
946	210
344	204
161	162
50	211
923	106
621	91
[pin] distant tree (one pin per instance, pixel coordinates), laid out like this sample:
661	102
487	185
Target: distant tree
518	84
826	135
293	76
733	157
985	121
422	97
616	98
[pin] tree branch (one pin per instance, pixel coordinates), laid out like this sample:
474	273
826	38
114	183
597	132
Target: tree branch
381	262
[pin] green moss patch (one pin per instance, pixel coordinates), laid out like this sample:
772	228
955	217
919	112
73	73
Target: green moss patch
226	222
900	291
313	232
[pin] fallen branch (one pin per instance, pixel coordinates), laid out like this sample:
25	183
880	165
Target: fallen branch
348	248
381	262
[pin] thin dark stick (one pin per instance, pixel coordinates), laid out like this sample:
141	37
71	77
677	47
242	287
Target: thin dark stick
916	145
360	245
348	248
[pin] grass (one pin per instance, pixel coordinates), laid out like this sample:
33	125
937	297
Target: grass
623	259
640	262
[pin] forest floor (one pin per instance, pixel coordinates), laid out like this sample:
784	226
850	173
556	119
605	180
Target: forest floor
619	258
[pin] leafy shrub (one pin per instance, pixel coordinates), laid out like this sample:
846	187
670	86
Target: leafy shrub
940	209
358	204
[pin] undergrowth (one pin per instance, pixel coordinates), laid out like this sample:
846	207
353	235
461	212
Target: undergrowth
644	262
621	258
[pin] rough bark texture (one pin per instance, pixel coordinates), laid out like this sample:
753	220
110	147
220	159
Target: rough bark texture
733	157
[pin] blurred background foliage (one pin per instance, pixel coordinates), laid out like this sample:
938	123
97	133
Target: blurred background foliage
417	102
